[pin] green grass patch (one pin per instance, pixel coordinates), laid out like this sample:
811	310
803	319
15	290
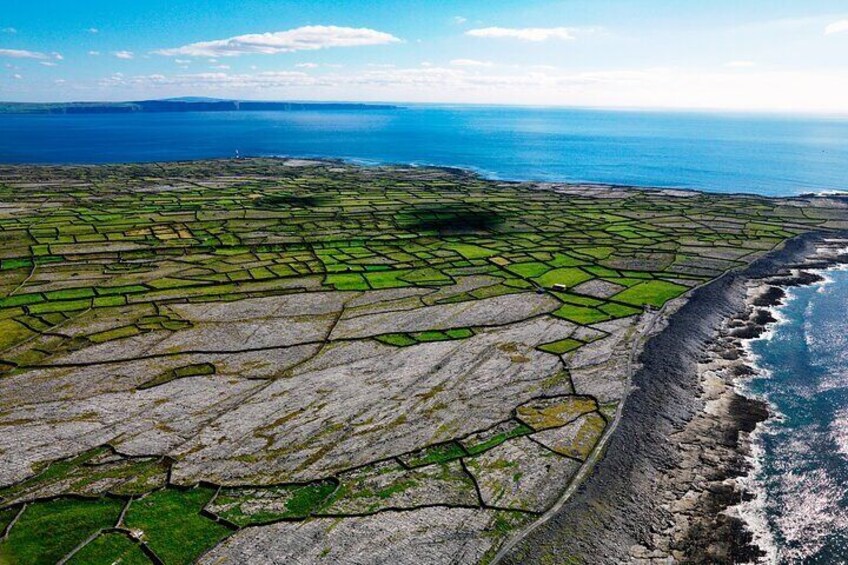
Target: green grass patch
62	306
6	517
494	290
117	333
470	251
169	283
386	279
436	454
396	340
577	299
581	314
300	502
20	263
126	289
496	440
109	301
597	252
655	293
70	294
620	310
459	333
561	346
172	525
562	260
47	531
430	335
528	270
112	548
566	276
21	300
346	281
426	276
13	333
624	281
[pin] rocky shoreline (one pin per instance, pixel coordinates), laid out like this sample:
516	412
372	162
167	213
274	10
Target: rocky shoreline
672	469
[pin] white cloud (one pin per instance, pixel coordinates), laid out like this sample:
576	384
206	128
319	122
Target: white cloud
459	20
471	63
58	56
22	54
93	30
59	81
16	76
307	38
48	63
94	53
182	61
10	30
618	88
526	33
221	67
124	54
740	64
837	27
307	65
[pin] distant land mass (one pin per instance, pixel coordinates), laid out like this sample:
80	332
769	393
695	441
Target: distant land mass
187	104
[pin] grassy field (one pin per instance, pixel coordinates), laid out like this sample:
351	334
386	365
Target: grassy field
114	252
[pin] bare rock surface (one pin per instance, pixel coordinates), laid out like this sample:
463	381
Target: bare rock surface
514	475
429	536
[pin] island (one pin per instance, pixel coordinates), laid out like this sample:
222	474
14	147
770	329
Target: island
272	360
182	105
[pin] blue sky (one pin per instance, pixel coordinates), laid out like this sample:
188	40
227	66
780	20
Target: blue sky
757	54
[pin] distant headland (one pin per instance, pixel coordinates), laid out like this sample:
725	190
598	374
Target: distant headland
188	104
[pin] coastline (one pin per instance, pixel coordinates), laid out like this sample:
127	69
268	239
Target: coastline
656	548
673	468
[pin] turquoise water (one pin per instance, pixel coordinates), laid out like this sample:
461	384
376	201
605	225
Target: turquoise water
802	454
718	152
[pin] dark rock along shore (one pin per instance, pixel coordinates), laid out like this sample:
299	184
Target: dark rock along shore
630	509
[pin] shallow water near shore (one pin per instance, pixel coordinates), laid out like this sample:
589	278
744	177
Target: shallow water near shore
800	514
776	155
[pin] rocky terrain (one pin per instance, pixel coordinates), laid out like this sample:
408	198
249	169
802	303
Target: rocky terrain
674	503
308	361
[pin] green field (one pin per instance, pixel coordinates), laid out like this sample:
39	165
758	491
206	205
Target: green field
112	263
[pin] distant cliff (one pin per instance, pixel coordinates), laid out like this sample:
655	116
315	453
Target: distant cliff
178	105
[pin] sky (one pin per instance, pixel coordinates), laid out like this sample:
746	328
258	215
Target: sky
767	55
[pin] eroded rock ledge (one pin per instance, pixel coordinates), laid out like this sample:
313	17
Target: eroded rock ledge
663	491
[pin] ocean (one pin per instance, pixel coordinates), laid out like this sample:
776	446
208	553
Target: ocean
763	154
800	513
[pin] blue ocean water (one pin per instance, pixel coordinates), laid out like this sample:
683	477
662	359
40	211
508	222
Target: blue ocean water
773	155
802	455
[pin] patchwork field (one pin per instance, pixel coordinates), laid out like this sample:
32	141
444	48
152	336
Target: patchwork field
295	361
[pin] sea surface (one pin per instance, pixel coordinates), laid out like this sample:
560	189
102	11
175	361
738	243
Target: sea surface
765	154
801	455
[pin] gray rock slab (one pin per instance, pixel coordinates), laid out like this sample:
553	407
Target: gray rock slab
388	485
576	439
363	401
487	312
429	536
522	475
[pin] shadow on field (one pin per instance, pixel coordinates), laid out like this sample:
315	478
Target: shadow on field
277	201
453	218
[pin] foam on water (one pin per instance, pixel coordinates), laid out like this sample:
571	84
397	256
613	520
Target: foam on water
799	457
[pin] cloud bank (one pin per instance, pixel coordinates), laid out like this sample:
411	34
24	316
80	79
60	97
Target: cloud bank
525	33
22	54
308	38
837	27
